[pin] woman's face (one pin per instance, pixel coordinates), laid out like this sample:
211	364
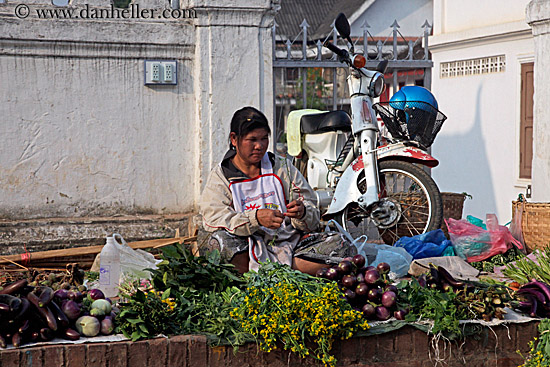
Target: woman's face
251	147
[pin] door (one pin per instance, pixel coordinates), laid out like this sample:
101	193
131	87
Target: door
526	121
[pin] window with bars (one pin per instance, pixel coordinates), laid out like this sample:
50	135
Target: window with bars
483	65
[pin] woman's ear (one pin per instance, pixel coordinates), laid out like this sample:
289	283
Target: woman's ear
233	139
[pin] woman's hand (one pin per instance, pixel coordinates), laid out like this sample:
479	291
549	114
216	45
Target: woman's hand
270	218
295	209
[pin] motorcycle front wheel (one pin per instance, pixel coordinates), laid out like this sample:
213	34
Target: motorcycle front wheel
410	205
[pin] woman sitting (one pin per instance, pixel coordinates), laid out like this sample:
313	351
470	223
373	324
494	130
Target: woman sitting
260	207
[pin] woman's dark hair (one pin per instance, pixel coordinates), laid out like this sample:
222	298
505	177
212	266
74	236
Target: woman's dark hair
245	120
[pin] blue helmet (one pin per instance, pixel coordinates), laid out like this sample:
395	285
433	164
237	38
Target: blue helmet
405	96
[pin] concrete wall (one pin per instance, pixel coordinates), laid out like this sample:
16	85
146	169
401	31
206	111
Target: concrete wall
538	17
82	134
478	146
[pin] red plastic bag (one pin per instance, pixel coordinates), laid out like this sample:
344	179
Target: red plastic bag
474	244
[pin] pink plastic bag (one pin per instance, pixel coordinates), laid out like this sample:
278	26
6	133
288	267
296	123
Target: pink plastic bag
474	244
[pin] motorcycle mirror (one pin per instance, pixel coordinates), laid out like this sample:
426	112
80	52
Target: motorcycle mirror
342	25
382	66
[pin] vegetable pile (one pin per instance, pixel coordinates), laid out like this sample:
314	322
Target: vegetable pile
534	299
367	289
31	314
445	300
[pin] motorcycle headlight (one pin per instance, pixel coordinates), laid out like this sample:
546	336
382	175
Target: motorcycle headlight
376	86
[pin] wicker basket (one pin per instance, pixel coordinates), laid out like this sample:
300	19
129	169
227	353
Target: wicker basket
453	204
535	223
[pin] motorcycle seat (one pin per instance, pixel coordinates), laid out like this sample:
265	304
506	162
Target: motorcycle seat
323	122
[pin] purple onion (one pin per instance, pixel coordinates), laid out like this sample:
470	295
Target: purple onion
372	276
349	281
361	289
94	294
358	260
388	299
350	295
345	266
382	313
374	294
368	310
383	268
400	314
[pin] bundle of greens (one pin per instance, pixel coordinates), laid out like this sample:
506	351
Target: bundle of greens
187	294
535	266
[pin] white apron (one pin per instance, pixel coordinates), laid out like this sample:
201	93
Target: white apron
265	192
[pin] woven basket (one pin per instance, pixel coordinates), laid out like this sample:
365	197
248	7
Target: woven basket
535	223
453	204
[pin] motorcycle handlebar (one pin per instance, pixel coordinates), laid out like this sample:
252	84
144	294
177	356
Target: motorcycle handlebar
338	51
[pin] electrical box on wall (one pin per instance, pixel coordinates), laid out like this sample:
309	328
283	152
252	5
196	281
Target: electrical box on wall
161	72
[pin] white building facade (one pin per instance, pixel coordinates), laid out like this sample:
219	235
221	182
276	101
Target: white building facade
478	50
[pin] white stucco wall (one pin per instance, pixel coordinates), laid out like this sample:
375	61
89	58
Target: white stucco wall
83	135
478	146
538	16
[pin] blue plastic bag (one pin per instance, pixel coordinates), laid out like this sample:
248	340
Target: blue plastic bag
429	244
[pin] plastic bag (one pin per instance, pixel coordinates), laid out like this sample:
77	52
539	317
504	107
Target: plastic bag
455	265
473	243
133	263
515	228
429	244
398	259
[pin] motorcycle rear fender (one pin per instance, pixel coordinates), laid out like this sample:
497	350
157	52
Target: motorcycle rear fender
405	153
347	191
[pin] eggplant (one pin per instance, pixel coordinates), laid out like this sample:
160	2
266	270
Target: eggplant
14	287
362	289
44	312
25	328
321	273
16	340
25	305
447	277
400	314
12	301
45	296
533	292
46	334
368	310
422	281
70	334
542	287
60	317
434	274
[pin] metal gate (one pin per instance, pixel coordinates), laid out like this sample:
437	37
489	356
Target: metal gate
307	75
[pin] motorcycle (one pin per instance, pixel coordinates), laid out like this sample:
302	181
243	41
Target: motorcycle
371	184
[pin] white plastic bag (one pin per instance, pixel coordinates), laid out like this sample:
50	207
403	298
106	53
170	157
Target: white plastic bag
134	262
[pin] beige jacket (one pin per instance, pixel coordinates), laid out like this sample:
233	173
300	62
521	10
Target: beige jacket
216	204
